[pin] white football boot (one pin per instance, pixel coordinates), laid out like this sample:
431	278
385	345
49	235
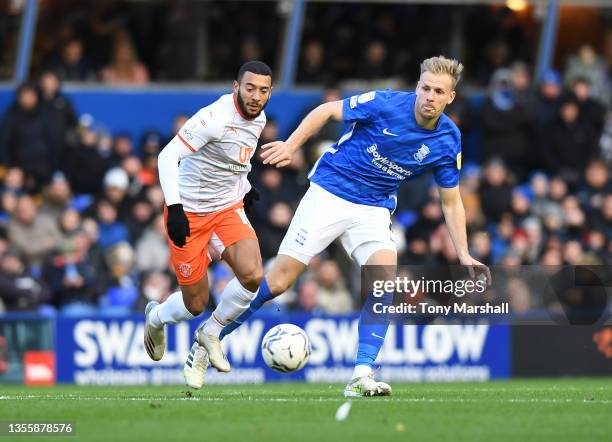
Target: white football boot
212	344
154	338
366	386
195	366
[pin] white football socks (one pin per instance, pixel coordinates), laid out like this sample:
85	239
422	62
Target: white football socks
235	300
171	311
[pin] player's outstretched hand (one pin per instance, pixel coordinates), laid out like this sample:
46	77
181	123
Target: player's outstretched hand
178	225
476	269
277	153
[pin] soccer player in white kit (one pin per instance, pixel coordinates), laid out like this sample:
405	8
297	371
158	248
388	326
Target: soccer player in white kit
203	173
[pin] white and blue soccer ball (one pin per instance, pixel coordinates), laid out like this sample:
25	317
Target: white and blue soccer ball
286	348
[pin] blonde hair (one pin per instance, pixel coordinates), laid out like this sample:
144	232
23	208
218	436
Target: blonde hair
443	65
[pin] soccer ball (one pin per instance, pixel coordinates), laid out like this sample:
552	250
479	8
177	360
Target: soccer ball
286	348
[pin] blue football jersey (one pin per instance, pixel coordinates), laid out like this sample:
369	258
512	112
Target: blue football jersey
383	146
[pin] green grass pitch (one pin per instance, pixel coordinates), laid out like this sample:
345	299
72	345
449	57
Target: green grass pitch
518	410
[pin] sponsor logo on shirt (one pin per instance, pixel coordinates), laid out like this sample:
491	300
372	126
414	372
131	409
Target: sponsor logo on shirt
386	165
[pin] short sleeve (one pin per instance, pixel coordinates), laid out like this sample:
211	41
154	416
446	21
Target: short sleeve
362	107
447	174
199	129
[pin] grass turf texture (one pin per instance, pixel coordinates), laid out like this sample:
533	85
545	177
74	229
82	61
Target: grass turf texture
525	410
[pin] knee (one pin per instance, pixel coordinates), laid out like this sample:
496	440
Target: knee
278	284
251	279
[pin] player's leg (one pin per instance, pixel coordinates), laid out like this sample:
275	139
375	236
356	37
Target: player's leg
284	272
319	219
369	242
185	304
190	263
245	260
372	329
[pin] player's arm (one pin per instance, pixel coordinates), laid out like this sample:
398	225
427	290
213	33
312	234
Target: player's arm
194	134
168	168
279	153
454	215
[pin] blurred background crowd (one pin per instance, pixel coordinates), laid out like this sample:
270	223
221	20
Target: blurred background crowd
81	209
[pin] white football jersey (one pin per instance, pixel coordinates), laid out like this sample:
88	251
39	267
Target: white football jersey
223	142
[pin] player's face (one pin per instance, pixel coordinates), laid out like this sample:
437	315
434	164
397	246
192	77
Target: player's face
253	93
434	92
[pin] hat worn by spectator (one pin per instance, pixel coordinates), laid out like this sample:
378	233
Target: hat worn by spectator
551	76
116	177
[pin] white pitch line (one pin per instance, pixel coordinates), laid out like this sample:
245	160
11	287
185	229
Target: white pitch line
297	400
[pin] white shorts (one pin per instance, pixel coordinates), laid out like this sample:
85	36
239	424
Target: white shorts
322	217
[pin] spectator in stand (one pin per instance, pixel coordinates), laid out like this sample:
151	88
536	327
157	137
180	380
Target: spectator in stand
122	294
58	111
505	124
112	231
591	110
72	277
595	186
521	84
587	64
71	64
574	218
602	220
308	297
333	296
272	233
18	290
520	204
116	183
139	219
375	64
312	69
125	68
156	286
123	147
84	164
546	105
25	140
568	143
95	253
480	247
132	165
155	195
56	196
152	253
33	235
69	225
14	181
495	191
430	218
250	49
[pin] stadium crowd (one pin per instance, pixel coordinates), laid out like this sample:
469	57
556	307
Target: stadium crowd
127	42
81	209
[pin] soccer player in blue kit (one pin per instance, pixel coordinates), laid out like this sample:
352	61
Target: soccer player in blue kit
392	137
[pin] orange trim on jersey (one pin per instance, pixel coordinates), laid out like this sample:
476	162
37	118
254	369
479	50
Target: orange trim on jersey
240	110
185	142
